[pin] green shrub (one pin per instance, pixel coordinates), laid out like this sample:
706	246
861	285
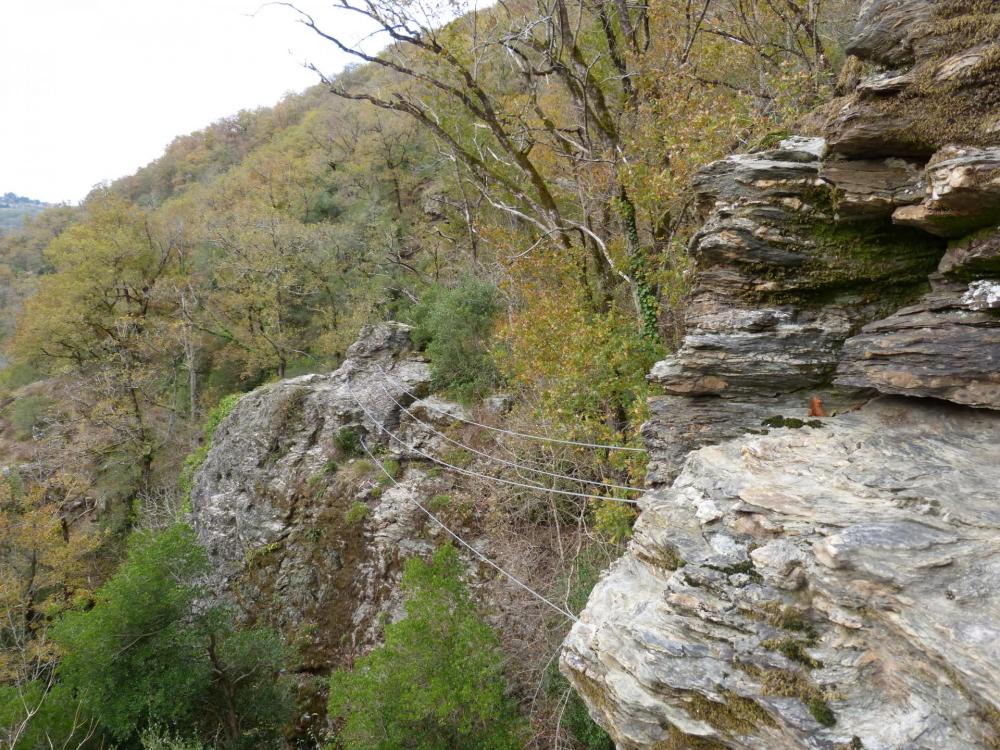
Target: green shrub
822	712
17	375
148	655
390	471
613	520
438	503
437	682
575	717
453	325
163	739
459	457
362	467
194	459
357	513
347	442
61	718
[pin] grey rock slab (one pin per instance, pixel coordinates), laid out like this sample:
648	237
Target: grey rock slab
858	129
870	188
875	541
946	345
885	30
963	193
976	255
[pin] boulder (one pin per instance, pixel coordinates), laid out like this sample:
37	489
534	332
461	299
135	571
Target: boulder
861	128
977	254
886	28
299	528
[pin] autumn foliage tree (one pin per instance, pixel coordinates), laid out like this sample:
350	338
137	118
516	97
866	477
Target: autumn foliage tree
540	104
43	571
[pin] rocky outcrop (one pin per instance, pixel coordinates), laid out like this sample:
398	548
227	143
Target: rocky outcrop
962	193
937	87
780	288
805	245
836	587
818	566
272	503
873	188
886	30
975	256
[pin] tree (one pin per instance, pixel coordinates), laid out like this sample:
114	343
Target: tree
150	653
454	326
538	103
437	682
104	314
43	571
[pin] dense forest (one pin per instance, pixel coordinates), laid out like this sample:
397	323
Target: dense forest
514	182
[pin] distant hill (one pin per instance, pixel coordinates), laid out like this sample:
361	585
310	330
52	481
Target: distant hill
13	209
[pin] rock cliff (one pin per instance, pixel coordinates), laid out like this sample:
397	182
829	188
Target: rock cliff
818	563
303	528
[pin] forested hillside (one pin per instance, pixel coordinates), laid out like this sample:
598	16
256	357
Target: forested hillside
14	209
515	183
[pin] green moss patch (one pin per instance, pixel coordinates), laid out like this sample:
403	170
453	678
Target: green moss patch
791	422
794	650
733	715
962	109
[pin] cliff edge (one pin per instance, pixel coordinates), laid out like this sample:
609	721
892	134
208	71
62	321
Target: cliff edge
818	562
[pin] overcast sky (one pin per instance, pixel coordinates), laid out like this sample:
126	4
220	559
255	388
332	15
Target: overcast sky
90	90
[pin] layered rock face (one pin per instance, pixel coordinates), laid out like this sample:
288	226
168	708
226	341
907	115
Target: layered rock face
780	288
824	569
806	244
811	588
303	529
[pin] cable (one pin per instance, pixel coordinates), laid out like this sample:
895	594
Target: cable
490	457
520	434
466	472
473	550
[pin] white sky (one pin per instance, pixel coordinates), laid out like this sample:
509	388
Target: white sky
90	90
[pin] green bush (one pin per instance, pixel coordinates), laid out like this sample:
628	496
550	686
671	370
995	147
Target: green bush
391	470
18	374
148	655
60	718
453	325
437	682
438	503
163	739
348	442
613	520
